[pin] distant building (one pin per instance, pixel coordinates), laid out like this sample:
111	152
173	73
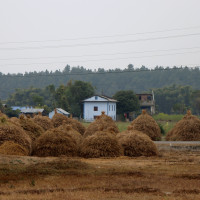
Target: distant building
147	102
18	107
31	111
93	106
27	110
59	110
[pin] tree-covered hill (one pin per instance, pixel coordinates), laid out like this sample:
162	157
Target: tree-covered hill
108	82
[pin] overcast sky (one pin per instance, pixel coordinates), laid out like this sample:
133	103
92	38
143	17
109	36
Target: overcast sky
49	34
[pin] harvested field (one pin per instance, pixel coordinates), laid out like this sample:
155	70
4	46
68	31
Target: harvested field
169	176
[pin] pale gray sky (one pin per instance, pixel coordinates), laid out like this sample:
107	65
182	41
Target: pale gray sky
48	34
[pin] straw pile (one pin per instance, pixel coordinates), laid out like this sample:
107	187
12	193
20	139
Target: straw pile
103	122
59	119
55	142
12	148
136	143
76	125
3	115
43	121
31	128
187	129
15	120
68	130
11	132
146	124
100	144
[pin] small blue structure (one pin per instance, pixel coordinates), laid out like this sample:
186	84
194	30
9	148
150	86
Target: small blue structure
27	110
95	105
59	110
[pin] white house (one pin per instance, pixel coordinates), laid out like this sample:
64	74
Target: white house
93	106
59	110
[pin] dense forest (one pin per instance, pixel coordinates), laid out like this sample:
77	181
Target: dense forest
106	82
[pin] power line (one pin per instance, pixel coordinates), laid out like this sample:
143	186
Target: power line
98	73
95	55
101	43
96	37
95	60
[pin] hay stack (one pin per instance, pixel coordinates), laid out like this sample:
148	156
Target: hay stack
3	115
146	124
100	144
77	125
136	143
59	119
31	128
12	148
43	121
187	129
55	142
11	132
68	130
15	120
103	122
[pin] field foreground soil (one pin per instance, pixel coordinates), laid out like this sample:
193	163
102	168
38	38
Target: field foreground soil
169	176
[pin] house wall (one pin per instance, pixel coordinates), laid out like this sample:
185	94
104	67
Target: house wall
108	107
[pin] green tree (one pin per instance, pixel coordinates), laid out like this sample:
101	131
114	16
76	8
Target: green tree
127	101
76	92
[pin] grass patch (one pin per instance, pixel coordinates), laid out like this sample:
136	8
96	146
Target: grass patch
122	126
166	117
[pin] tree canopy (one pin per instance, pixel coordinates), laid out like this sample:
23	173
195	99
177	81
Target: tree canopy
127	101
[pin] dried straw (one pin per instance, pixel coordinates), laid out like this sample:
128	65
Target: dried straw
43	121
11	132
136	143
146	124
100	144
55	142
68	130
31	128
12	148
15	120
59	119
187	129
103	122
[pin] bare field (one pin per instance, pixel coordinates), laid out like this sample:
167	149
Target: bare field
170	176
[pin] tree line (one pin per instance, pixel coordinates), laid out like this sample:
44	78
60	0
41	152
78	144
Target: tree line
104	81
174	99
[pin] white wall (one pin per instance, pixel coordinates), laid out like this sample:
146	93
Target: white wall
108	107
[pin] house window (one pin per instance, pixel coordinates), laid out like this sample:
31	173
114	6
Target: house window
149	98
96	97
95	108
